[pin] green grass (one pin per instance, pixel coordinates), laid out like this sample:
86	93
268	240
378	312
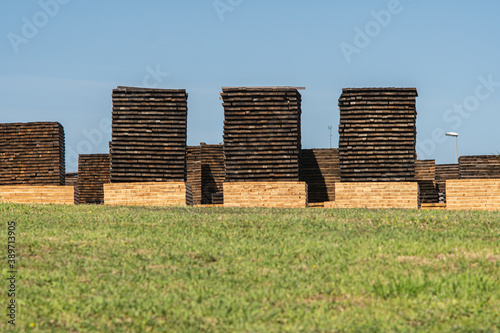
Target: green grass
94	268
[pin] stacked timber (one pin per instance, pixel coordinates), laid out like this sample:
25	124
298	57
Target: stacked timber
72	180
213	173
479	167
148	135
93	173
425	175
262	134
193	172
320	170
443	173
206	173
32	154
377	134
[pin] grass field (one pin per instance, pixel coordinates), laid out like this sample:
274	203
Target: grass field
95	268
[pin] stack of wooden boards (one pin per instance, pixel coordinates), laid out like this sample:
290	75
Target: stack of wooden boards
32	154
479	167
206	173
93	173
320	170
148	135
377	134
193	172
262	139
443	173
72	180
425	175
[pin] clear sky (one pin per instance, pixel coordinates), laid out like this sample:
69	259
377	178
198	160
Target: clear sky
60	60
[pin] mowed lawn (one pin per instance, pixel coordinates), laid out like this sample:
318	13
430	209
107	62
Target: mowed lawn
95	268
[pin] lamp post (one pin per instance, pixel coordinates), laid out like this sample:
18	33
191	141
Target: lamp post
330	128
456	147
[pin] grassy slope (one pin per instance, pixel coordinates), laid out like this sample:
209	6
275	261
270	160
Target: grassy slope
89	268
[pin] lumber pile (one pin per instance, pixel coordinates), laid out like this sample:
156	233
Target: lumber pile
193	172
425	175
403	195
262	134
148	194
93	173
148	135
377	134
71	179
32	154
320	170
479	167
213	173
46	194
443	173
265	194
473	194
206	173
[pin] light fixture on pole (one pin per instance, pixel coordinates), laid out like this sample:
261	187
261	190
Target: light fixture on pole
330	128
456	147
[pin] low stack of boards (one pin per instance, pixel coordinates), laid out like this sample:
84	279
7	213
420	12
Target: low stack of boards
402	195
443	173
213	173
377	134
479	167
473	194
72	180
193	172
93	173
425	175
32	154
206	173
262	133
320	170
148	135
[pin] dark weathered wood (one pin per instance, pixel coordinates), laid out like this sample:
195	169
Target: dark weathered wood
32	154
148	135
262	139
320	169
377	134
93	173
479	167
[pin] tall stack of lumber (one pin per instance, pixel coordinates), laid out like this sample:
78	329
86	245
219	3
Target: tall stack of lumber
479	167
213	173
320	170
93	173
71	179
443	173
193	172
262	133
32	154
425	175
377	134
148	135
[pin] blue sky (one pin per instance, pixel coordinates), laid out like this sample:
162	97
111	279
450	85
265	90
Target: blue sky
60	60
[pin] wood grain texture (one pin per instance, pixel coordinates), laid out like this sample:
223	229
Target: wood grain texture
32	154
403	195
265	194
473	194
148	194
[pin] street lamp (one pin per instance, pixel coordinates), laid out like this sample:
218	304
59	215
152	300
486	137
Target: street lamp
456	137
330	128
